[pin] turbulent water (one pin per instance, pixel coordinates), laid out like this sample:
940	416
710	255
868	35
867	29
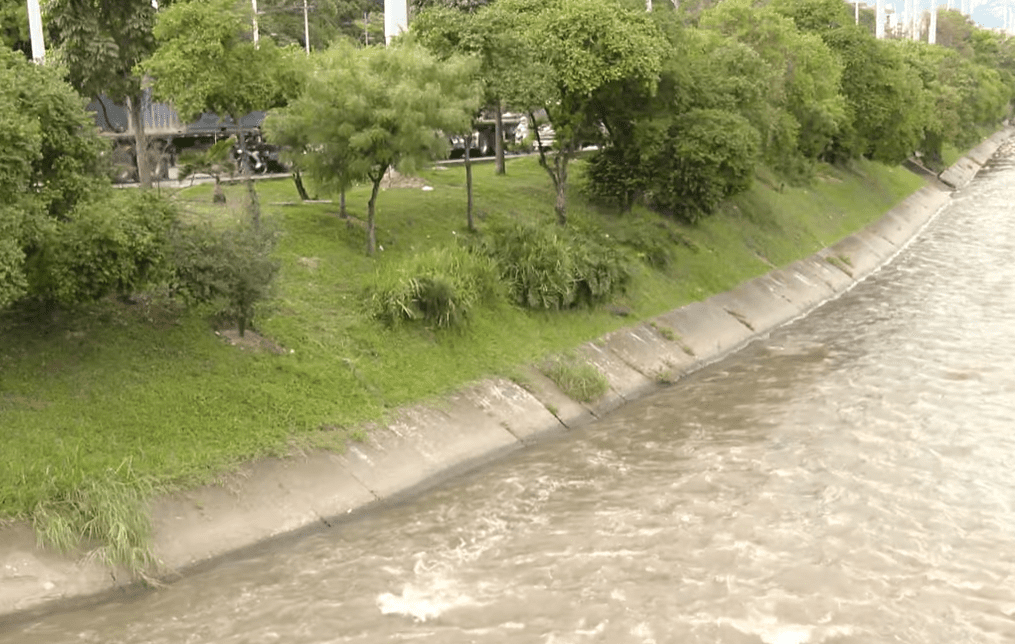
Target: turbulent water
848	479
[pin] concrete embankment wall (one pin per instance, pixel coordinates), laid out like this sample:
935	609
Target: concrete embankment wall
425	443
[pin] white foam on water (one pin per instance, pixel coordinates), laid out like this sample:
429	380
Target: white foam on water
573	638
772	632
643	630
426	603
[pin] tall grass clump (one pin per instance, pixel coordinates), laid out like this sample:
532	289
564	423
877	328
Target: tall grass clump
577	378
441	286
108	512
547	267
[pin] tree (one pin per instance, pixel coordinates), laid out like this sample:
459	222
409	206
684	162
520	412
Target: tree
216	161
886	104
711	85
579	52
806	82
290	134
364	111
14	26
205	62
486	34
100	42
815	16
449	32
65	235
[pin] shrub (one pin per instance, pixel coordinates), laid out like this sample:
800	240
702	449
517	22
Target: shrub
548	267
535	261
705	156
231	269
615	176
113	245
601	271
441	286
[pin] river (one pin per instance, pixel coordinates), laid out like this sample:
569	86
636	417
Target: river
847	479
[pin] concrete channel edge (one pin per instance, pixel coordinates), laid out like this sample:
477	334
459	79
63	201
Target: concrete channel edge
274	499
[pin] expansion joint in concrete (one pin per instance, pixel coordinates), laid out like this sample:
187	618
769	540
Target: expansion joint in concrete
739	317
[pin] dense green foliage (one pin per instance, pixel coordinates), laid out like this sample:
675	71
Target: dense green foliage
363	112
580	58
549	269
809	83
231	269
113	245
66	235
441	287
358	20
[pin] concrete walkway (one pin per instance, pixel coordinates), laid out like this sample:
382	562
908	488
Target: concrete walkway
426	443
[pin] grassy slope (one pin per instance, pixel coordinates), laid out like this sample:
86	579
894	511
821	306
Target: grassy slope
166	401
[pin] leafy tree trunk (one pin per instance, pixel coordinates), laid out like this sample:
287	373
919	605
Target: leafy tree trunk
560	183
298	180
371	233
341	205
468	184
248	176
144	173
499	133
558	172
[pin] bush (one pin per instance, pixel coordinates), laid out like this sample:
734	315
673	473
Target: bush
231	269
114	245
615	176
548	267
706	156
441	286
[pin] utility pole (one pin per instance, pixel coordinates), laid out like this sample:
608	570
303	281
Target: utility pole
932	33
306	27
253	3
35	29
856	12
879	27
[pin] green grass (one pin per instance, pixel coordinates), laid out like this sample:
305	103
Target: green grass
577	378
105	405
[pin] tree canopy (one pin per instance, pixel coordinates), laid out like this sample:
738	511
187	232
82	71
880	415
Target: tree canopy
65	234
579	52
206	61
364	111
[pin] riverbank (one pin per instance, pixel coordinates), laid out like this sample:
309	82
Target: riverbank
272	497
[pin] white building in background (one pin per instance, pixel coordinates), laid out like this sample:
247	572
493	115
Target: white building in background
396	18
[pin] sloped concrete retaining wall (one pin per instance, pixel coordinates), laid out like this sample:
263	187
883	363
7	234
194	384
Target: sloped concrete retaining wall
273	498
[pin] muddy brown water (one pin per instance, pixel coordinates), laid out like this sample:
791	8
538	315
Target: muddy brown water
847	479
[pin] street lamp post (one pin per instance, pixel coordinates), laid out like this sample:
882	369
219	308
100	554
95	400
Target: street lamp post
35	29
306	27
